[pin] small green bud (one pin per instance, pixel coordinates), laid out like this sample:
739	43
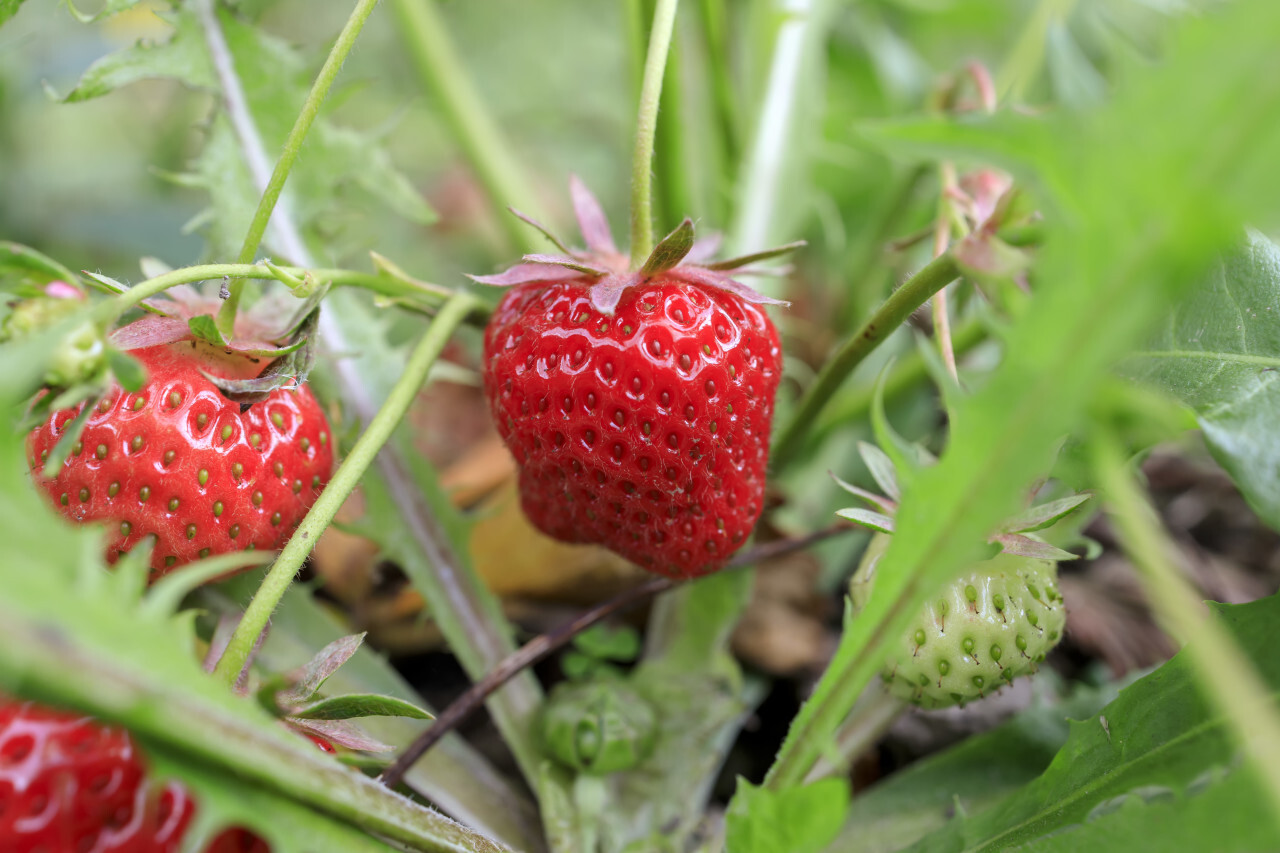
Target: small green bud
598	727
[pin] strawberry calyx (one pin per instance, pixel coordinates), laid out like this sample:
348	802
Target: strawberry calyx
247	366
678	256
1013	535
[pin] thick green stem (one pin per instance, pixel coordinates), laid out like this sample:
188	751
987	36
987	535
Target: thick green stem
1222	668
343	483
292	146
891	314
664	20
463	109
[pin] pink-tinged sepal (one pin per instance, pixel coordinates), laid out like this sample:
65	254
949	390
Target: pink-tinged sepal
591	219
677	256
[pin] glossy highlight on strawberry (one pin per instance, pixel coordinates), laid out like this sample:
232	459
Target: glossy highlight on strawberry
179	461
69	784
645	431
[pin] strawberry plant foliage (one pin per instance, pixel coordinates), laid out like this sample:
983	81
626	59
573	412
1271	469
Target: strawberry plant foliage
1219	353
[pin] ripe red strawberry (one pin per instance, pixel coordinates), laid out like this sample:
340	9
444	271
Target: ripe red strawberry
69	784
179	460
637	404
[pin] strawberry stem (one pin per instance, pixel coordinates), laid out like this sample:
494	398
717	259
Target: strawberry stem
342	484
419	294
664	19
936	275
292	146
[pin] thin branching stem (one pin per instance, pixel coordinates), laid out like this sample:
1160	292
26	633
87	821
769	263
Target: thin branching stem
664	20
917	290
292	147
424	294
343	483
540	647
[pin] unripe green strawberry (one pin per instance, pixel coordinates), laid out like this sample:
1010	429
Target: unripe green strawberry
598	727
992	624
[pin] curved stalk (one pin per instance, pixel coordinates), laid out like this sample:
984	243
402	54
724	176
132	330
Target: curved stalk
655	67
936	275
429	295
293	145
343	483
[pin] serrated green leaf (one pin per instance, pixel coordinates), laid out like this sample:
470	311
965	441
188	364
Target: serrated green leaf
1124	241
1219	352
183	57
452	775
360	705
56	625
1158	742
795	820
972	776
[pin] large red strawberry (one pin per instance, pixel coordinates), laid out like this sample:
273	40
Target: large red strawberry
637	404
69	784
180	461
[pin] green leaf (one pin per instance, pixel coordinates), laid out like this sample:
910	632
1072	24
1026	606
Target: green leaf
361	705
1042	515
867	518
1219	352
453	775
182	58
206	329
794	820
61	617
609	642
311	677
8	8
671	250
109	8
1158	760
25	263
975	775
1124	241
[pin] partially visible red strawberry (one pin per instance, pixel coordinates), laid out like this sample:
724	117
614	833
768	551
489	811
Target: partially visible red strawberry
237	840
69	784
637	404
180	461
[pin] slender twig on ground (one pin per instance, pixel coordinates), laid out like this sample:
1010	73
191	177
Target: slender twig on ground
540	647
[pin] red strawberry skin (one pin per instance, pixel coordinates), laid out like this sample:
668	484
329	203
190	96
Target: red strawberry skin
71	785
645	431
178	460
